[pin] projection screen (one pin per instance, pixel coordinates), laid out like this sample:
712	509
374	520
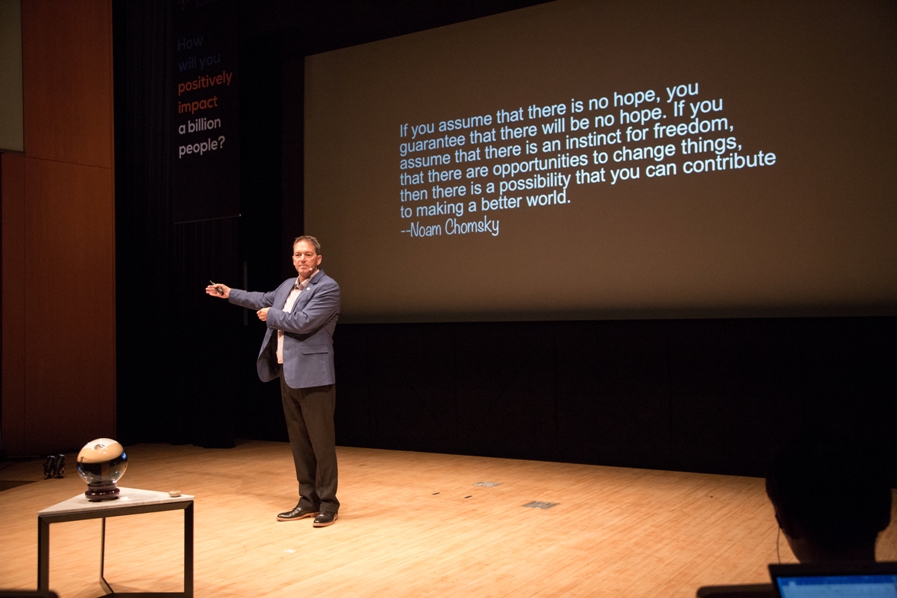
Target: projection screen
613	159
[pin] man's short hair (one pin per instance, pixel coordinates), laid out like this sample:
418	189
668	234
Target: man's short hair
834	490
309	239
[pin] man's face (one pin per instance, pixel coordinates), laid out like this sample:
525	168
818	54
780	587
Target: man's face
305	259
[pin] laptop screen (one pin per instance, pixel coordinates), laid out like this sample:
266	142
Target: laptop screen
875	580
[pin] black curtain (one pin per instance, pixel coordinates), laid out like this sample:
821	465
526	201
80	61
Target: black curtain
177	349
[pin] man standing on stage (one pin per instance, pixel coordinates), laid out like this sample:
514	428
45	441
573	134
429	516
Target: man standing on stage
301	316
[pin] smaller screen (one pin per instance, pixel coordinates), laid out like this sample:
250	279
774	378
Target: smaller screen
838	586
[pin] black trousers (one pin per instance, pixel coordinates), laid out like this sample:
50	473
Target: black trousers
309	416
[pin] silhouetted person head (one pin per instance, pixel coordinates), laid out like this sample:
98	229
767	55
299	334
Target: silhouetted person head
831	497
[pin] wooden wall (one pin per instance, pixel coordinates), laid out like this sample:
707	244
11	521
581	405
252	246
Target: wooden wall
58	235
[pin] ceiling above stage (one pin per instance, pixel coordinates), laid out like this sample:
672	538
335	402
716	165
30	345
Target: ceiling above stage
311	27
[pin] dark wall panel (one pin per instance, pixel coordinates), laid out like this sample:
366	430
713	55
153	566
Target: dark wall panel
697	395
402	388
735	384
506	399
613	401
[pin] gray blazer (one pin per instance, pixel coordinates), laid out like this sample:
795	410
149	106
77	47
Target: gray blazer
308	331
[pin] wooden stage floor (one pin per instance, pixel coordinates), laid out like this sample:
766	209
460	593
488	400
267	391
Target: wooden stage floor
411	524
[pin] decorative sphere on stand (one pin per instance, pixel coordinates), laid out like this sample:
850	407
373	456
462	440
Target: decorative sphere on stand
101	463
